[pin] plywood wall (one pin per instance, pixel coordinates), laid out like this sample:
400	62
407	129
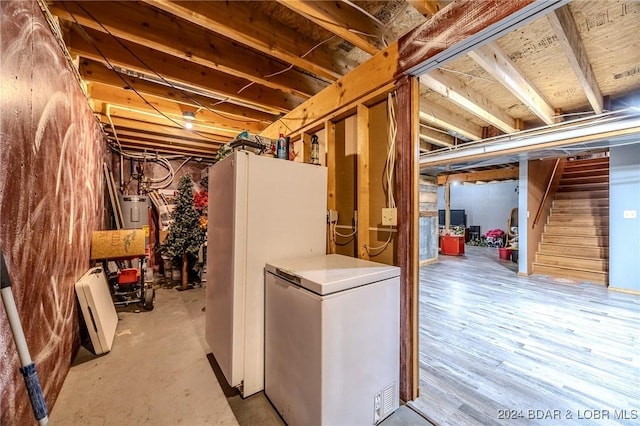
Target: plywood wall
539	174
51	199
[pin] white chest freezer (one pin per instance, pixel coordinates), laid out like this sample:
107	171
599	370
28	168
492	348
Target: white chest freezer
332	340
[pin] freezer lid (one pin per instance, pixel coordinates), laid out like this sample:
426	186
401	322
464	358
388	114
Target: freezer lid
327	274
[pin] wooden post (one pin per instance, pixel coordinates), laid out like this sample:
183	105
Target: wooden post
305	146
363	180
447	206
330	134
407	168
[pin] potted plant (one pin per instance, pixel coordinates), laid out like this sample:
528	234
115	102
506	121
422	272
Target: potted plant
186	234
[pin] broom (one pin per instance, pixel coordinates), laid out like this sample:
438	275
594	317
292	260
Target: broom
28	367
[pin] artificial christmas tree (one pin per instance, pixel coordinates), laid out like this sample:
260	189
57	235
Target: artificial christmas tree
185	233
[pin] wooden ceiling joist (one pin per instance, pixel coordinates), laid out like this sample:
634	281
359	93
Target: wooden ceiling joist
481	176
134	134
238	90
155	128
94	71
497	63
436	137
127	98
146	26
444	118
167	149
425	42
566	29
466	97
344	20
241	22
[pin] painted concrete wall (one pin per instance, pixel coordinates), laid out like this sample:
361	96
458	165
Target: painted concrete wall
624	234
487	205
51	199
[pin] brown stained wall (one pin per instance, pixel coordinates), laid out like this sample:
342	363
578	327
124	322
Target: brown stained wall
51	199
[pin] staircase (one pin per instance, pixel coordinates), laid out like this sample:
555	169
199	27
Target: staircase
575	242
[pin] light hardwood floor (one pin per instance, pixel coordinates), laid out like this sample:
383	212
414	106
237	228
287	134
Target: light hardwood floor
496	348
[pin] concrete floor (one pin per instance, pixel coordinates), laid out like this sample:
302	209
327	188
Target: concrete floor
158	372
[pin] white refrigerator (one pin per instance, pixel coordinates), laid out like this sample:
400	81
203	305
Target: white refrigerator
260	208
332	345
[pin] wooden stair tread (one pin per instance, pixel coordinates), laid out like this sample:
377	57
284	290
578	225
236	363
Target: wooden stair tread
572	245
569	268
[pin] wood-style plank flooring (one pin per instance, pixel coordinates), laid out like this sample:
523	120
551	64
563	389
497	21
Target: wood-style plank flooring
494	346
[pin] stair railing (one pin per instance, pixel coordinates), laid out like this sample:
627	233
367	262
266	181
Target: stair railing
550	185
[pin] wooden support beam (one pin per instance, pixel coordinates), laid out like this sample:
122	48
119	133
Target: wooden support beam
248	118
362	166
343	19
442	117
566	29
435	137
497	63
330	136
139	24
407	185
116	96
180	71
482	175
466	97
447	206
306	147
240	21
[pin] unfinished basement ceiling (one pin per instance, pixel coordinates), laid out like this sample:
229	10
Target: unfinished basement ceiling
240	65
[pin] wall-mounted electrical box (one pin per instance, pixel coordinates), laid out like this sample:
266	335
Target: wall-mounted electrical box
390	217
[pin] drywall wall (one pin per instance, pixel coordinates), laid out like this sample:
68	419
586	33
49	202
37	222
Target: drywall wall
487	205
624	233
51	199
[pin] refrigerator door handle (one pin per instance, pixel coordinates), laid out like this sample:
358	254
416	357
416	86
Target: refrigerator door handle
287	276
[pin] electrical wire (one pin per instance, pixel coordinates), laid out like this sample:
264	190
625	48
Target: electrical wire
165	81
390	165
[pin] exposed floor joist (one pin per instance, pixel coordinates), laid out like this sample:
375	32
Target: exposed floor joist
436	137
238	90
566	29
497	63
467	98
263	34
444	118
94	71
343	19
198	134
127	98
145	26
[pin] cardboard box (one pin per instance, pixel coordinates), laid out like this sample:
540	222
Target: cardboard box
122	244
